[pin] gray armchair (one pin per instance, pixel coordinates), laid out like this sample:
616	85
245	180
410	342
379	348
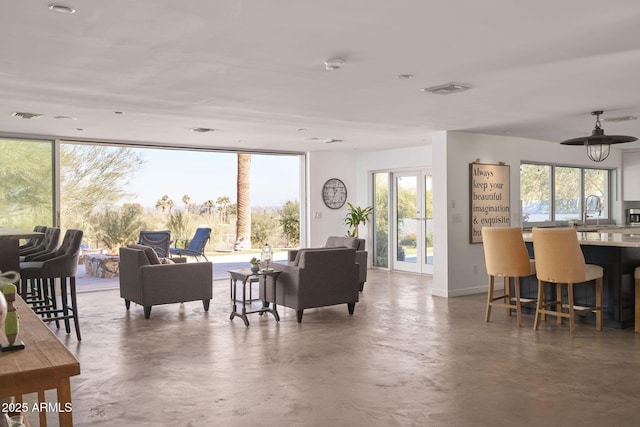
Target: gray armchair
346	242
316	277
145	281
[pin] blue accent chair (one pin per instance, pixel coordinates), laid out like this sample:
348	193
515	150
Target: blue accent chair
196	245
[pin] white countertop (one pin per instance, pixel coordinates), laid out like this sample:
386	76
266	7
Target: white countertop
610	238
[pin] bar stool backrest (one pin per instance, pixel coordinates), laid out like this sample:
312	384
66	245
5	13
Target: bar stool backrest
505	253
559	258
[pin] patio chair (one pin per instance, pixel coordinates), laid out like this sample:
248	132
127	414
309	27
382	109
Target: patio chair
196	245
158	240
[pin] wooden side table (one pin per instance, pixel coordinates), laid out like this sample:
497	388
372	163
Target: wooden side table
245	275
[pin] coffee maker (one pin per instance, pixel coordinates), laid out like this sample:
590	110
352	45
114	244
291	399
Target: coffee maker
633	216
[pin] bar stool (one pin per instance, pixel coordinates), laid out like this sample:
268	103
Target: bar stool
559	260
636	278
44	270
506	256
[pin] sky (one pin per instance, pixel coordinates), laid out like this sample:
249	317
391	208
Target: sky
204	175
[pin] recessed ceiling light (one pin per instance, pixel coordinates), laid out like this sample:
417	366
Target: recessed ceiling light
333	64
405	76
119	113
80	129
65	118
301	129
446	89
60	8
202	130
24	115
331	141
621	119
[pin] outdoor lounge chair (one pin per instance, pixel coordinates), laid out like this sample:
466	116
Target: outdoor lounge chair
196	245
158	240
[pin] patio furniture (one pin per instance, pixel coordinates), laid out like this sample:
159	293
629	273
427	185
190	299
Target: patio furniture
196	245
159	240
145	281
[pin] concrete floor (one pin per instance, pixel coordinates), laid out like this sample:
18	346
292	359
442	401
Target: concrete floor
404	358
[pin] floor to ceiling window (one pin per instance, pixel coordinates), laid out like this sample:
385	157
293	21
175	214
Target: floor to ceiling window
111	192
27	183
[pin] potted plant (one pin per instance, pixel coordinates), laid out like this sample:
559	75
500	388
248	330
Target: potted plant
255	264
356	216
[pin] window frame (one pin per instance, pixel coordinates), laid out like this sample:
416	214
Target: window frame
552	193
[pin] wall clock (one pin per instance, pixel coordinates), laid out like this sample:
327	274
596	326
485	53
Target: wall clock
334	193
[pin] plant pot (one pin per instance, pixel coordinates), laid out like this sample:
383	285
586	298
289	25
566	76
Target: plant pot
255	268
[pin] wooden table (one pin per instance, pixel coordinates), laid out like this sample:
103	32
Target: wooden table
44	364
10	247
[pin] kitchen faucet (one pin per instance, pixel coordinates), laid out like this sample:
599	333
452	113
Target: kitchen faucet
597	207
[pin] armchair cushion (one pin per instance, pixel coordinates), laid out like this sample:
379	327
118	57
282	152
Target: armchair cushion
151	254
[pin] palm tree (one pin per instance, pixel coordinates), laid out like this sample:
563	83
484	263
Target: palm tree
162	203
243	223
208	205
170	204
186	199
223	203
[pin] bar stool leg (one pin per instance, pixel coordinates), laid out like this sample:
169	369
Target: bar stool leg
540	304
489	297
518	304
74	306
599	304
65	304
571	312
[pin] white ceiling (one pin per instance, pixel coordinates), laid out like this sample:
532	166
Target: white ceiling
254	70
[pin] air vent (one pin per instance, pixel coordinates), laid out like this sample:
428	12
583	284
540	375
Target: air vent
621	119
202	130
26	115
446	89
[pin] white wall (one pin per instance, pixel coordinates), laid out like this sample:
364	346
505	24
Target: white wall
458	265
321	220
380	161
466	273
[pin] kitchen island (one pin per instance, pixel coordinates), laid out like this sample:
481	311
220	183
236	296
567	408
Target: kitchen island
619	255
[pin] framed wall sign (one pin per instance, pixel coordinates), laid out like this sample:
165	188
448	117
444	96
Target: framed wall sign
490	198
334	193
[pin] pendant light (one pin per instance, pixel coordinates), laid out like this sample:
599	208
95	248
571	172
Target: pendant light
598	144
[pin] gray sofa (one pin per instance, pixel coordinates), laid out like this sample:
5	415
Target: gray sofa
146	281
346	242
316	277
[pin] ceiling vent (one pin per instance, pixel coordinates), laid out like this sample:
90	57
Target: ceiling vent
26	115
620	119
202	130
446	89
